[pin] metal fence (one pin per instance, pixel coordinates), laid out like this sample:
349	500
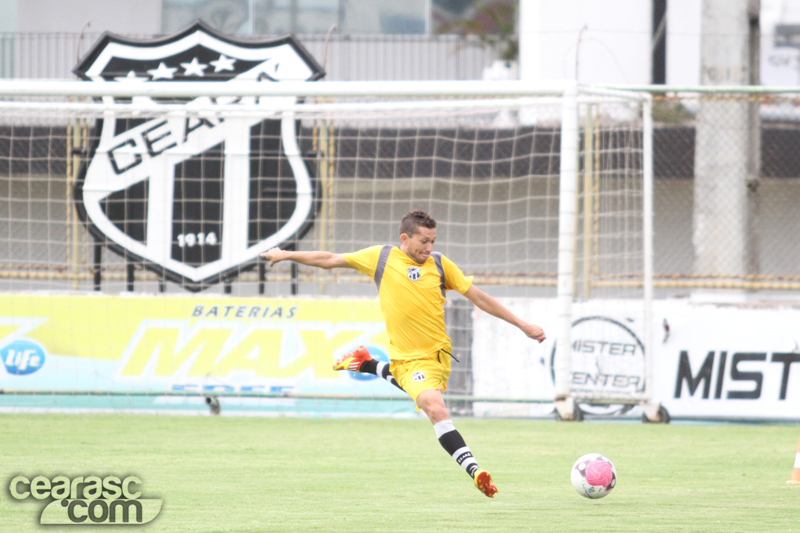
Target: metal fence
726	164
356	57
727	188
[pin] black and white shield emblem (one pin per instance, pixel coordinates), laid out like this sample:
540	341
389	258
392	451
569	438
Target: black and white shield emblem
414	273
197	197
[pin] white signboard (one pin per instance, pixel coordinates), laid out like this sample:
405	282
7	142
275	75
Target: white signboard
709	361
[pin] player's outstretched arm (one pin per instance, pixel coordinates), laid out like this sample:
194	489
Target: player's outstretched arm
486	303
324	260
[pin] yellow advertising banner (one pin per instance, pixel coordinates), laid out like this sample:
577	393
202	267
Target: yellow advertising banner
91	341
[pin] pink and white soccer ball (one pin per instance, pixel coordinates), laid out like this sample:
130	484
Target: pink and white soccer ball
593	476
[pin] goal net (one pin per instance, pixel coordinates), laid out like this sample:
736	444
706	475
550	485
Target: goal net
132	225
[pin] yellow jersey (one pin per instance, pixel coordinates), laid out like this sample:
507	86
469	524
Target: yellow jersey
412	298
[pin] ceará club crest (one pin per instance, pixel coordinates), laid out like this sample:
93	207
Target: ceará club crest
197	197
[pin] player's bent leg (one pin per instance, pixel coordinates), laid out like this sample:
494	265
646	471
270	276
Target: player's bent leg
360	360
431	402
354	360
380	369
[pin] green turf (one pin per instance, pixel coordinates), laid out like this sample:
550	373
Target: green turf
287	475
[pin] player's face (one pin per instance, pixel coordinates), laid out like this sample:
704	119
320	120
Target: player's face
420	245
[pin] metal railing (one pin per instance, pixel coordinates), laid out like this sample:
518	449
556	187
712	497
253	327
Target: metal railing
347	57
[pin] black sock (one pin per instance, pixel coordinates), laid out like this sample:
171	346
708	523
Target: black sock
369	367
453	443
380	369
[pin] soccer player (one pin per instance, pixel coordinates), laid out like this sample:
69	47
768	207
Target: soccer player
412	280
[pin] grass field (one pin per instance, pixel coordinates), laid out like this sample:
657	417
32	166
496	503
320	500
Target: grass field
298	475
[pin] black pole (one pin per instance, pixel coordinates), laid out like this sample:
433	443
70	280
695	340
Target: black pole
129	276
262	276
98	260
295	284
294	272
659	34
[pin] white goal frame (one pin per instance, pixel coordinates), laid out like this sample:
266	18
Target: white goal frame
567	402
571	95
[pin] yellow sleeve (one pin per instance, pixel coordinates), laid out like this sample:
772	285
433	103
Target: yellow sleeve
365	261
453	277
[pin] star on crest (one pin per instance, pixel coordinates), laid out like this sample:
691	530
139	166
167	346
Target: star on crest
195	68
163	72
223	63
131	77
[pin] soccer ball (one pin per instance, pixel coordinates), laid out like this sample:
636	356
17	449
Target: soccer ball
593	476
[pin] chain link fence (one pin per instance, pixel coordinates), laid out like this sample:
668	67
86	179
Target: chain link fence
727	164
727	187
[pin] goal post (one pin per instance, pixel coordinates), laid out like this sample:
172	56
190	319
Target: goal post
615	292
169	191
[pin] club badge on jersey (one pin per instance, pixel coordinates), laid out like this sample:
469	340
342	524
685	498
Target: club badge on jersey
414	273
197	196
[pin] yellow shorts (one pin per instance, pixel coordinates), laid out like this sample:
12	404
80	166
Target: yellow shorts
417	375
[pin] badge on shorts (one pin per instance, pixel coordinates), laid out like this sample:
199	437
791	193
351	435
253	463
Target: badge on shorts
418	376
413	273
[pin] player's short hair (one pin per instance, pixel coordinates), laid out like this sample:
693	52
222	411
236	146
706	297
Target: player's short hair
412	221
